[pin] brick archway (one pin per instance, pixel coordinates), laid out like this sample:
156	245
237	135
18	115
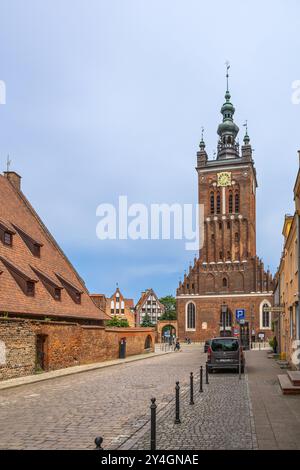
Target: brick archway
163	324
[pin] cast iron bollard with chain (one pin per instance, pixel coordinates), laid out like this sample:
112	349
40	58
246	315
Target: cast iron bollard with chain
177	408
191	389
206	374
153	407
201	379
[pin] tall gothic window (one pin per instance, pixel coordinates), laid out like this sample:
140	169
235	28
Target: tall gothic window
212	203
224	282
230	202
237	202
265	317
191	317
218	203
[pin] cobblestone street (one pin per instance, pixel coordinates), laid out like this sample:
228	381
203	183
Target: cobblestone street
219	419
69	412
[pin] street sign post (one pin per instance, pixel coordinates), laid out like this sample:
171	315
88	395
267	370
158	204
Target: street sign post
240	314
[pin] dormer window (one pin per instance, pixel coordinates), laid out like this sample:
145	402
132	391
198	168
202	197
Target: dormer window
33	245
71	289
7	239
50	284
57	294
25	281
6	233
30	288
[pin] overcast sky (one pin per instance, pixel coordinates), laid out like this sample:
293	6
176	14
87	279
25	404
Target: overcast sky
107	98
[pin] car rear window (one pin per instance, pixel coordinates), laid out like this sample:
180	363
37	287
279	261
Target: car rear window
224	345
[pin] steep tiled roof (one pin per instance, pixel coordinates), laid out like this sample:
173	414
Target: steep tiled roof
17	214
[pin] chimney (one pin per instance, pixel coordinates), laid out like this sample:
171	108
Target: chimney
14	178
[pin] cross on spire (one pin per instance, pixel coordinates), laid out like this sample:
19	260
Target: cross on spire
227	74
8	162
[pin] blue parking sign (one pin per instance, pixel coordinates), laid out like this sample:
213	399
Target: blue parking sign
240	314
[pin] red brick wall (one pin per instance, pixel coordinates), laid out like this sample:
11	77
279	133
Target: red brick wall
208	310
67	344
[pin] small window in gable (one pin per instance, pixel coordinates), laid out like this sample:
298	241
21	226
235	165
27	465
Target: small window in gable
33	245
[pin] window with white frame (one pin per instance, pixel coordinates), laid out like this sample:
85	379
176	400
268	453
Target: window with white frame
190	316
265	316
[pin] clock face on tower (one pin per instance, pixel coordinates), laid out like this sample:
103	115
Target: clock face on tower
224	179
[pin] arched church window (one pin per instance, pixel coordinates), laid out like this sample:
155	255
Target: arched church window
191	317
266	317
212	203
229	140
224	282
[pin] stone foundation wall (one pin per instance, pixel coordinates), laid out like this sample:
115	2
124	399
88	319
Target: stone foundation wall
66	344
17	349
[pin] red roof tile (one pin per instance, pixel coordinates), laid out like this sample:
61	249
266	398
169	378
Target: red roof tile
15	210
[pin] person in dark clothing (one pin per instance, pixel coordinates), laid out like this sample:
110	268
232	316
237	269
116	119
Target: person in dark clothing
177	345
275	345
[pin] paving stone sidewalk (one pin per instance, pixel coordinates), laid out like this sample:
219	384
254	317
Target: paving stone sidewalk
221	418
276	416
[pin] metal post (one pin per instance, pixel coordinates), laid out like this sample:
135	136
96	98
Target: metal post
177	409
191	389
206	374
98	442
201	379
153	407
240	362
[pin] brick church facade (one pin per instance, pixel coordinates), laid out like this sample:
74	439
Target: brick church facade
228	275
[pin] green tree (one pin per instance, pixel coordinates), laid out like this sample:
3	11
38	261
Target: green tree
146	322
118	322
169	303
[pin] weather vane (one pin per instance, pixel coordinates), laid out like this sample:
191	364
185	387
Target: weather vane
246	125
8	162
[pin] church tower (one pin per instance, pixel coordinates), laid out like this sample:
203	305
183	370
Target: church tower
227	276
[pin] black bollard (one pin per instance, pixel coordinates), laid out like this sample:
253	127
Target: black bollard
206	374
177	409
98	442
201	379
191	389
153	407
